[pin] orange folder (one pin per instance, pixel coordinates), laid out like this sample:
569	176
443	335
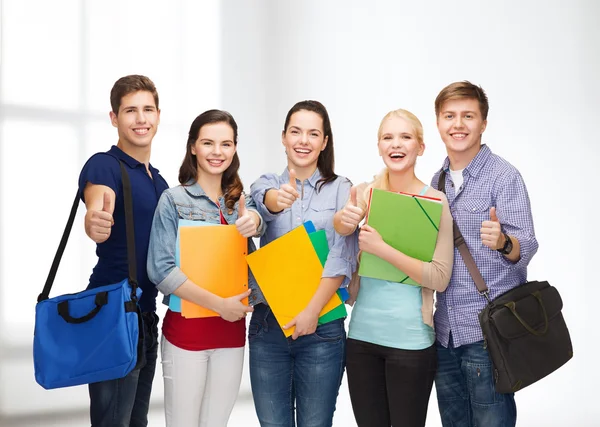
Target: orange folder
213	257
288	272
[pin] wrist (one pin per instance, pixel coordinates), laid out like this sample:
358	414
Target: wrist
507	245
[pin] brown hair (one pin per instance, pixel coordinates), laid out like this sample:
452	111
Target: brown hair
131	84
463	90
231	184
326	161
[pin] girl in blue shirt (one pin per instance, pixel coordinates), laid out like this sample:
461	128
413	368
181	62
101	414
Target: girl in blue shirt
295	380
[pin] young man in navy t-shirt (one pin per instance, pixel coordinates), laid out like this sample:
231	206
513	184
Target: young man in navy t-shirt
135	114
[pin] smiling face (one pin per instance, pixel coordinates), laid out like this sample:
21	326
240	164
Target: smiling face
461	125
399	144
214	149
137	120
304	140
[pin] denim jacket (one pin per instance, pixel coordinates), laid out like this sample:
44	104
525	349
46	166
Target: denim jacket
316	206
187	202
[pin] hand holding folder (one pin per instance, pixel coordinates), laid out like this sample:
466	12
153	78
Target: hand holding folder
213	257
407	222
289	282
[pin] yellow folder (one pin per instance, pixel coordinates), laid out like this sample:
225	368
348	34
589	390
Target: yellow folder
288	272
213	257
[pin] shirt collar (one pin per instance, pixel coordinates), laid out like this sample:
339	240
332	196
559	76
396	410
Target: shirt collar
130	161
475	166
193	188
314	178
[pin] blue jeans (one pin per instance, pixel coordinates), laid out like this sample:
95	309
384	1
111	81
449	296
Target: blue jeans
295	380
124	402
465	389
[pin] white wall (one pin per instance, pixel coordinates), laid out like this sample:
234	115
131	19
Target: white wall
538	64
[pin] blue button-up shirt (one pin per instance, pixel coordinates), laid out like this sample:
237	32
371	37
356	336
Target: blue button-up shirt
489	181
314	205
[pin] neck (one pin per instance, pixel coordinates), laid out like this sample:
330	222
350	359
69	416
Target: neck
141	154
305	172
405	182
460	160
211	184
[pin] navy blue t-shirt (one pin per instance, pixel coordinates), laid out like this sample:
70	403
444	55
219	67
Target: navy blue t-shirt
112	267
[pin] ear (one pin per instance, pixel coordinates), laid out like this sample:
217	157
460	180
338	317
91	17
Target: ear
193	149
113	119
379	149
325	143
421	149
157	117
483	126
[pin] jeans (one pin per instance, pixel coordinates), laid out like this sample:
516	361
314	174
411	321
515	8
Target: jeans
389	386
124	402
295	380
465	389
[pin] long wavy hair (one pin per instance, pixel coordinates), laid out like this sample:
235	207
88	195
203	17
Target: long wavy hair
326	161
231	184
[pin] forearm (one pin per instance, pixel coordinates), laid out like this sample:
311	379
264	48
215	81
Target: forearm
326	289
189	291
410	266
271	201
340	228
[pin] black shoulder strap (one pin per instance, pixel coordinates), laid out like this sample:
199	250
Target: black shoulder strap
128	203
461	245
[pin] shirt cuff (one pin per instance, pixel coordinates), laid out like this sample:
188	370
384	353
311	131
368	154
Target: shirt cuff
266	214
336	267
173	281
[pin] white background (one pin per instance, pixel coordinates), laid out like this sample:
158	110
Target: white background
538	62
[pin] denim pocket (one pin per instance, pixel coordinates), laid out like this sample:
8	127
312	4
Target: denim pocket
258	322
331	331
481	382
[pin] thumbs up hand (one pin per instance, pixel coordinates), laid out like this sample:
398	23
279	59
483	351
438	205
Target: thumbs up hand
245	224
491	232
98	223
351	213
287	193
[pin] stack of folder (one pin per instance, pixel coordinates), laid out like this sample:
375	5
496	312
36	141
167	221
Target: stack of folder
213	256
408	223
288	271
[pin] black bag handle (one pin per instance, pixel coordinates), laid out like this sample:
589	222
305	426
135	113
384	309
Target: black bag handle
513	308
463	249
128	204
100	301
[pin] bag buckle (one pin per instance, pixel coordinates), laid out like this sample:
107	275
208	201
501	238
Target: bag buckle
486	294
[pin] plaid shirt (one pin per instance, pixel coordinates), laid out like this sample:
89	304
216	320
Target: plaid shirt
489	181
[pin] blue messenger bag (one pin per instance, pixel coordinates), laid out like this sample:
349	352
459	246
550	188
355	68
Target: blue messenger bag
94	335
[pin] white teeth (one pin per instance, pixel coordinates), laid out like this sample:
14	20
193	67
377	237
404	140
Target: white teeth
302	151
216	162
397	155
141	131
459	135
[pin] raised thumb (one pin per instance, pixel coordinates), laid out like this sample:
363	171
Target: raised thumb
493	216
293	178
242	206
353	196
106	203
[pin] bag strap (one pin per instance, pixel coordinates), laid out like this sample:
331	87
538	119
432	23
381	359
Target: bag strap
463	249
131	260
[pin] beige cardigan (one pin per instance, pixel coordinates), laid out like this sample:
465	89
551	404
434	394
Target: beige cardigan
436	274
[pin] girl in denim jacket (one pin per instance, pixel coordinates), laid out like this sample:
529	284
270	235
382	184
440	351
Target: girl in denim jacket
295	380
202	358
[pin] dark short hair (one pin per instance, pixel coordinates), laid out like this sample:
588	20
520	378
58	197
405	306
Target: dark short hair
131	84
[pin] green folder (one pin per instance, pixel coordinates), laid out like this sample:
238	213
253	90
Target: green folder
408	223
319	242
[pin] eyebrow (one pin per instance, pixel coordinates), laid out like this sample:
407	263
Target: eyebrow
310	130
134	107
463	112
210	140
